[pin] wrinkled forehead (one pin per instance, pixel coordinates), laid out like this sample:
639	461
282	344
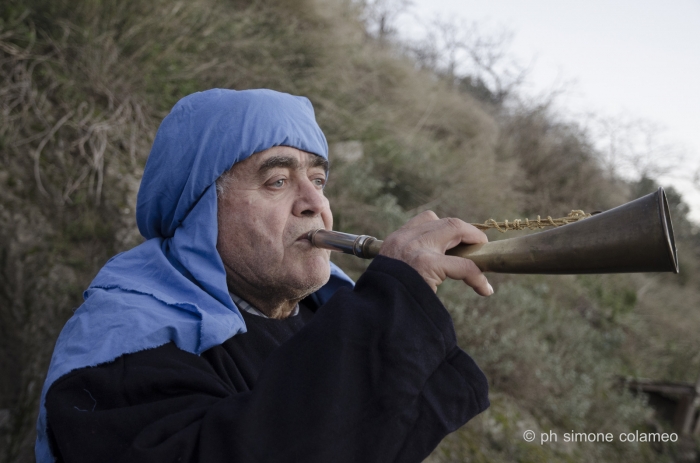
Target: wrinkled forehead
285	157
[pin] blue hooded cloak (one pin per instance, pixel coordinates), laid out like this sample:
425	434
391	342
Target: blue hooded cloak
172	288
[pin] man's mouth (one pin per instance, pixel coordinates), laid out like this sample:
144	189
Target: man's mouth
305	236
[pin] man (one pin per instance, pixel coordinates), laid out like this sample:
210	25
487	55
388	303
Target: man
157	365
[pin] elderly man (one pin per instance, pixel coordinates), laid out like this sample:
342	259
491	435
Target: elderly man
227	337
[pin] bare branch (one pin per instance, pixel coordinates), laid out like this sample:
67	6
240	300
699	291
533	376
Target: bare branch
634	148
471	58
380	16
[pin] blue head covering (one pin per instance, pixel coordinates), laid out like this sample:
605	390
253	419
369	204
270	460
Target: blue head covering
172	288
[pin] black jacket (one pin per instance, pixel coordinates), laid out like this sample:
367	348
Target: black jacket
375	375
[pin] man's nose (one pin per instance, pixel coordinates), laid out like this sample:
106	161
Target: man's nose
310	201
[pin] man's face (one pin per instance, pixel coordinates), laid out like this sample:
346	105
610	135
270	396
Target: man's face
270	202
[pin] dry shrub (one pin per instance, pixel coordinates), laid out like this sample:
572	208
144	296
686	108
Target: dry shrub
556	165
550	347
71	135
425	145
662	341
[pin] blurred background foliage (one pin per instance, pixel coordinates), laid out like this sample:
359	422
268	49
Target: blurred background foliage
84	84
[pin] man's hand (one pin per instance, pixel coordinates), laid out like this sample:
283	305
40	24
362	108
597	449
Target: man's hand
422	243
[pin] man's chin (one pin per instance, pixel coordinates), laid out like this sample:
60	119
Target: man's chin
314	279
319	279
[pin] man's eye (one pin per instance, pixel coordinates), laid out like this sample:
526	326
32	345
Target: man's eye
278	183
319	182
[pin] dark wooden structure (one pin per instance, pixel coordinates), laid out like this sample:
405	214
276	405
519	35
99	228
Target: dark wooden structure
674	402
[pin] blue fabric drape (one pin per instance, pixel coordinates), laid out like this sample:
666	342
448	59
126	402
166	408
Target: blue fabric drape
172	288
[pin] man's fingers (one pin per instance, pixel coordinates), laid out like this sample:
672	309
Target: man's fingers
422	242
423	217
440	234
450	232
459	268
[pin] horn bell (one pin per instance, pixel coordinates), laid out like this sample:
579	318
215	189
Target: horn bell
634	237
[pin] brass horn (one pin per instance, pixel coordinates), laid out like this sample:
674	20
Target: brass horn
634	237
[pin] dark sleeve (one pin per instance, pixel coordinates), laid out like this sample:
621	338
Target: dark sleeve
375	376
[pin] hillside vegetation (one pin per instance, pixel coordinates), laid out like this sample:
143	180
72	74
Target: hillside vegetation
85	83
